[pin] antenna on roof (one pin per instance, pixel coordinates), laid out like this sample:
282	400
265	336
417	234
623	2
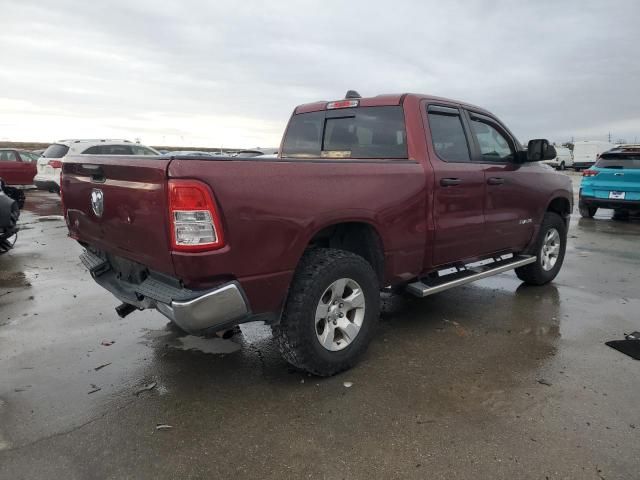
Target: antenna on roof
352	94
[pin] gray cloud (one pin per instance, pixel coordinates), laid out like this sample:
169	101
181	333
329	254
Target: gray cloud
212	73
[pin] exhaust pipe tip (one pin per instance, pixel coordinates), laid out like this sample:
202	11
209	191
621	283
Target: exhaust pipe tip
125	309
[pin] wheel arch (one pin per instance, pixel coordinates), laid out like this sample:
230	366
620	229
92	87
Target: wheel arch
355	236
562	206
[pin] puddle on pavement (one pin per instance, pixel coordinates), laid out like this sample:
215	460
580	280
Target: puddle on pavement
206	345
42	203
607	225
13	280
251	334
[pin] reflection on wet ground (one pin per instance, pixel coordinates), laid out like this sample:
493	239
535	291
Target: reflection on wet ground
491	380
13	280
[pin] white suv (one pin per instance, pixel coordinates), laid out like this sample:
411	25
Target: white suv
50	163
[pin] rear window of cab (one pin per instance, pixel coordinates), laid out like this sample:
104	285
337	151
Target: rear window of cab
361	132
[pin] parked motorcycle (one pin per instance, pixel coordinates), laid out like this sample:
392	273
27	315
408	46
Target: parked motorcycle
11	201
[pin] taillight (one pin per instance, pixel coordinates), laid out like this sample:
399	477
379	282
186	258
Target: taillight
590	173
55	163
193	216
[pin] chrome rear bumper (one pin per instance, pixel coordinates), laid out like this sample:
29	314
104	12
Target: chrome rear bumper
191	310
218	307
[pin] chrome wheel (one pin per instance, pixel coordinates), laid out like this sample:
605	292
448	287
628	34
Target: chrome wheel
550	249
339	314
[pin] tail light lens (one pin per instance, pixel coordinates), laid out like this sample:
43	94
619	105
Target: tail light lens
194	218
55	163
589	173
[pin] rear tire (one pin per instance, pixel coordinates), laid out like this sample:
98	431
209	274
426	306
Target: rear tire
587	212
549	247
317	291
561	166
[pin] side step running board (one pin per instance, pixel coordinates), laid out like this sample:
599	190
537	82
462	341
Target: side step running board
431	286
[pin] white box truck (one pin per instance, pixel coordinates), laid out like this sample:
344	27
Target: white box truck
586	152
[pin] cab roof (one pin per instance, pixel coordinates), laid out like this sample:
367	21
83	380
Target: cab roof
384	100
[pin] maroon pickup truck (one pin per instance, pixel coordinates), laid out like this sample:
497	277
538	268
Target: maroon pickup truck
405	192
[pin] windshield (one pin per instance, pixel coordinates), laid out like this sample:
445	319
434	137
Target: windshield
55	151
619	161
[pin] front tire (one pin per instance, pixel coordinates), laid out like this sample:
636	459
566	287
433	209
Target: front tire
549	247
330	313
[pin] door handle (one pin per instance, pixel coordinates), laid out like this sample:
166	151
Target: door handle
450	182
495	181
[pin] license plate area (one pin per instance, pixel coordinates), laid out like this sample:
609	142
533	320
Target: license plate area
615	195
127	270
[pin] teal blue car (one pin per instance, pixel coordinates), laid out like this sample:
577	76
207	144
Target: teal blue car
613	182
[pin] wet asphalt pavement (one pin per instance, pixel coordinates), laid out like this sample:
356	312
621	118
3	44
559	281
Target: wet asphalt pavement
491	380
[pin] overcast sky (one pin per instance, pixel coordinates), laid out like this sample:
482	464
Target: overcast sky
212	72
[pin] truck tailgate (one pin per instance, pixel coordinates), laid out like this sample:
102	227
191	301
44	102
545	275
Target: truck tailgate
118	204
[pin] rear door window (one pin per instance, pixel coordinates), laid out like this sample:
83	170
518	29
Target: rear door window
117	150
95	150
140	150
109	150
8	156
55	151
447	134
28	157
363	132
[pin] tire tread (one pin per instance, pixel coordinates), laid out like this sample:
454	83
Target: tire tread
292	341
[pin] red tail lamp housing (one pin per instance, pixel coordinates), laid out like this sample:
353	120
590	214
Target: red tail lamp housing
194	218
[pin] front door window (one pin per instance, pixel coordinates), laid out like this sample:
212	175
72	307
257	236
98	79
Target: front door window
494	146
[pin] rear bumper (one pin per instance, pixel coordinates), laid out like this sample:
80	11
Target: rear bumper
192	310
214	309
609	203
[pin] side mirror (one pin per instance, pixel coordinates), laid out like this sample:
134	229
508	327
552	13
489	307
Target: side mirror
540	149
